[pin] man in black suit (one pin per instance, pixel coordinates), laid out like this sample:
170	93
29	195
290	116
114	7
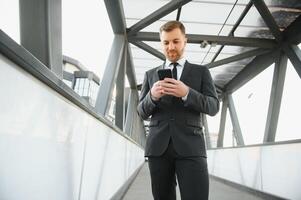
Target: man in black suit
175	145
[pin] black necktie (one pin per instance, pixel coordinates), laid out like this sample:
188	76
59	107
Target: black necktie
174	71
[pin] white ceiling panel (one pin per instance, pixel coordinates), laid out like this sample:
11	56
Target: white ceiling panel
140	9
206	18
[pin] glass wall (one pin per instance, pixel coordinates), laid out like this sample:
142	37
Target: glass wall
213	127
110	114
229	140
252	102
86	33
9	18
289	117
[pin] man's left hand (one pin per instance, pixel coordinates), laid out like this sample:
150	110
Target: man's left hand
174	87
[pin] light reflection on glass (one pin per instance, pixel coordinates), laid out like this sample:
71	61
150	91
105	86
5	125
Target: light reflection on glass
86	84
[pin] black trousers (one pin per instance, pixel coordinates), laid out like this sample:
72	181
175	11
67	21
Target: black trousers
191	172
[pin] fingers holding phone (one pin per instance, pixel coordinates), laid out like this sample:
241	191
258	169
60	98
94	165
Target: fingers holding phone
157	91
174	87
168	86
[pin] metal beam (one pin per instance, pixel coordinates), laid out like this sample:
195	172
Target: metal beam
109	78
247	54
158	14
294	54
149	49
268	19
120	103
130	114
134	126
222	125
130	69
275	98
220	40
256	66
116	15
41	32
179	13
235	122
292	34
207	133
241	17
68	76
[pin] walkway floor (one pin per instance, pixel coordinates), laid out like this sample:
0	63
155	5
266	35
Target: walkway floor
141	189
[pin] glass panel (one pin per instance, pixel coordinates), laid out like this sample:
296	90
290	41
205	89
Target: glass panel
80	86
253	26
225	2
9	19
252	103
224	73
155	45
204	12
84	86
215	26
289	117
87	37
144	61
155	26
135	10
229	51
76	87
237	11
213	127
111	111
79	83
229	139
95	88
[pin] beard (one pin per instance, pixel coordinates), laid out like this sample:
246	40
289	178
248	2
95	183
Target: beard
174	55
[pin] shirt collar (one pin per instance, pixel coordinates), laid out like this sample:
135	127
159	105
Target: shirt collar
180	62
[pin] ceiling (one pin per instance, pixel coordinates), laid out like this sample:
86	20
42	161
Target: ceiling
227	19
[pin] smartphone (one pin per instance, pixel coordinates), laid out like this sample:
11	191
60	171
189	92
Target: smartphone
164	73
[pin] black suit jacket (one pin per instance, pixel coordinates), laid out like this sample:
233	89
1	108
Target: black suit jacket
171	117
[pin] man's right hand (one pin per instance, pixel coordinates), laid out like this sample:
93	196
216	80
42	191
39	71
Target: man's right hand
156	91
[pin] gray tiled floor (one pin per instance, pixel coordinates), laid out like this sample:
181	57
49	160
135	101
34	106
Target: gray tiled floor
141	189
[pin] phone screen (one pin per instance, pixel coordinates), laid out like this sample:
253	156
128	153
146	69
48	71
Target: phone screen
164	73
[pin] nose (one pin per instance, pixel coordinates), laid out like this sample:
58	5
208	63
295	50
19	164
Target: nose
171	45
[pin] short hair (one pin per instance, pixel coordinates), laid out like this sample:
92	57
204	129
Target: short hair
171	25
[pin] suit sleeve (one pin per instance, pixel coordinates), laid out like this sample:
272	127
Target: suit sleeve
146	104
206	100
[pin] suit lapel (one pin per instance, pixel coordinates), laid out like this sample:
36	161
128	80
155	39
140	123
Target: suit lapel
185	72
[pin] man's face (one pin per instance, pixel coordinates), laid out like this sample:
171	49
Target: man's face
173	43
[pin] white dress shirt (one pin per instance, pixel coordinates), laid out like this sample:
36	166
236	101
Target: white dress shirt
180	67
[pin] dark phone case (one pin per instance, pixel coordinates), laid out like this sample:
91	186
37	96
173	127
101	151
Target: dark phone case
164	73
